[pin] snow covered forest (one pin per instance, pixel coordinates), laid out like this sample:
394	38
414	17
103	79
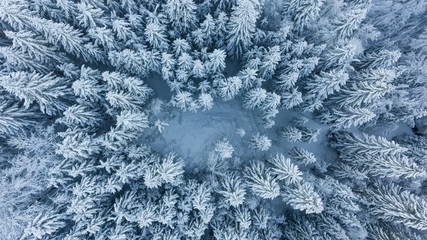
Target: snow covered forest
213	119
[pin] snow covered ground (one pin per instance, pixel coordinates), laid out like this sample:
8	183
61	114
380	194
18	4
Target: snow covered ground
193	135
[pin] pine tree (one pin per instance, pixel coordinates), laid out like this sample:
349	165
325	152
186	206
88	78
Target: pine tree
77	144
261	181
135	121
122	82
376	156
164	171
375	74
286	81
182	100
272	101
88	86
201	197
309	134
267	117
299	120
15	119
89	16
394	166
124	101
221	23
44	224
63	35
240	27
243	217
180	46
385	231
185	62
136	62
199	70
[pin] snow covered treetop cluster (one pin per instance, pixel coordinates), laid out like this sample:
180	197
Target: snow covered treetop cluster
213	119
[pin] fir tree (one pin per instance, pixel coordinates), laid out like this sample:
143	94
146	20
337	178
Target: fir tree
302	155
205	101
229	87
390	203
17	60
354	144
260	142
348	117
261	181
326	83
240	27
217	61
270	62
254	98
302	196
304	11
155	35
363	93
47	91
383	58
349	22
341	55
285	170
34	46
224	149
291	99
291	134
80	115
181	14
233	190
